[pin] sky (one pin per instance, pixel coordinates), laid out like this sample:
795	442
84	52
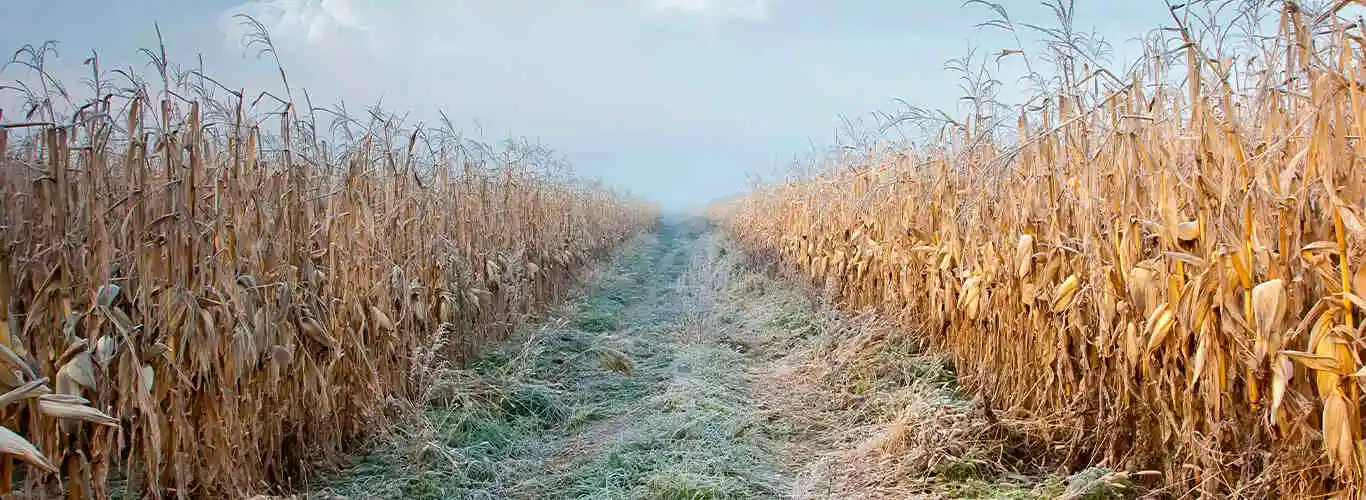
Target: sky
678	101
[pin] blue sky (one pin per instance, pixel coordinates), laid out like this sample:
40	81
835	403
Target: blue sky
678	101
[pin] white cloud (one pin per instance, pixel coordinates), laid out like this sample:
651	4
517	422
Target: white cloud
733	9
311	21
511	61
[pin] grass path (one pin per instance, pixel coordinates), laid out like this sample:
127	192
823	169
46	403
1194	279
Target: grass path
681	373
678	425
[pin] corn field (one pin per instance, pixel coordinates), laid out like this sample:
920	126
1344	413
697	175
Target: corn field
1159	271
200	293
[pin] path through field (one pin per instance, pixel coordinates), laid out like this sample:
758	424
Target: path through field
680	372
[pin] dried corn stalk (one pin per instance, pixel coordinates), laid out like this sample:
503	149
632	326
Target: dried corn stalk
1158	278
221	297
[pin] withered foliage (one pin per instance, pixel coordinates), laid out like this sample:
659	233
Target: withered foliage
200	294
1162	272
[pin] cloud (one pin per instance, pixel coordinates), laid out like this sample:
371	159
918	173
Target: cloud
729	9
310	21
537	66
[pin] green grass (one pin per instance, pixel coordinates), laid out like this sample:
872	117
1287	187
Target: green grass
694	443
694	460
689	486
454	451
801	321
958	470
599	313
982	489
533	402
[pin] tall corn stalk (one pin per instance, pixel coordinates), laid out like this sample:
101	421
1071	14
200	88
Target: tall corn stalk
1162	278
201	294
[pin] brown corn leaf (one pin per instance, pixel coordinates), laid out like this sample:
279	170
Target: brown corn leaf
74	411
14	445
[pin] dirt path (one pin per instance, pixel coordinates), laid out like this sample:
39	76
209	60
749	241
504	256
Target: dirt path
679	373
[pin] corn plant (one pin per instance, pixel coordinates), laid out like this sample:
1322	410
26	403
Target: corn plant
205	291
1159	271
